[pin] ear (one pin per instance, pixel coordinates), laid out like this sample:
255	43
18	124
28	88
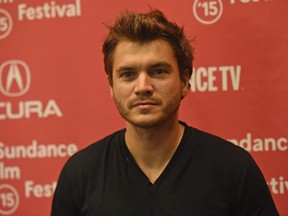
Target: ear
185	83
110	88
111	91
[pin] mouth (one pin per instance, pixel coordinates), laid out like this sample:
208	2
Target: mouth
144	104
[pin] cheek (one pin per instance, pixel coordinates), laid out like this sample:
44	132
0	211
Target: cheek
171	88
121	93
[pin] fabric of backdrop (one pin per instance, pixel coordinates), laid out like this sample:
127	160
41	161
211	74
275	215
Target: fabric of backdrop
55	100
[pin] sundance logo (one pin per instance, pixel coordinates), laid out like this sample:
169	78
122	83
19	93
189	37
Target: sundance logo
207	12
15	81
6	23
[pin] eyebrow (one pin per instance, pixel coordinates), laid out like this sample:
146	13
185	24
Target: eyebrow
124	68
161	64
158	64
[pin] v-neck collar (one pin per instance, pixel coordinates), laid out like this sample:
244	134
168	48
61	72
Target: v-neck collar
143	179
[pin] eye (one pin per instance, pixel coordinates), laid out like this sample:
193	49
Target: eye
127	75
158	72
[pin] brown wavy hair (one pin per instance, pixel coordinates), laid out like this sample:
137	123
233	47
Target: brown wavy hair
144	27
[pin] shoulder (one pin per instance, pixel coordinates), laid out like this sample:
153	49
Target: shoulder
95	153
224	161
211	141
216	149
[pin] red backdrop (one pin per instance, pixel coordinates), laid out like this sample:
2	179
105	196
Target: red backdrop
54	96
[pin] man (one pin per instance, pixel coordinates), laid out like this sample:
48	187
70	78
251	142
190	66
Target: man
157	165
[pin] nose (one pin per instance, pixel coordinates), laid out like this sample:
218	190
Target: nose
143	86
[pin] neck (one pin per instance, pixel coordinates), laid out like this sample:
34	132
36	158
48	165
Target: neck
153	148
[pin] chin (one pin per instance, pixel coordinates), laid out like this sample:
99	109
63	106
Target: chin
148	122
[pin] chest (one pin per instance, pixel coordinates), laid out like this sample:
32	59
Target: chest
124	190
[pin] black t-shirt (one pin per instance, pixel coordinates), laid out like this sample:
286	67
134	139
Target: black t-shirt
206	176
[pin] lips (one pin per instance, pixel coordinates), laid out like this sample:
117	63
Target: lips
143	103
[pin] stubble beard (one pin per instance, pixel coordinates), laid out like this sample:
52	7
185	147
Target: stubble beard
167	112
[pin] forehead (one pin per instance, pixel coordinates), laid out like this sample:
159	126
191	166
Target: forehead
144	53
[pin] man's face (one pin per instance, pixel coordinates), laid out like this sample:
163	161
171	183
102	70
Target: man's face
147	88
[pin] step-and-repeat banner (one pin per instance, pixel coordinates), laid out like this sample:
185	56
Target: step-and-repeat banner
55	100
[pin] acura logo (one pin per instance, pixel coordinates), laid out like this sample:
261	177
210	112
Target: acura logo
14	78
